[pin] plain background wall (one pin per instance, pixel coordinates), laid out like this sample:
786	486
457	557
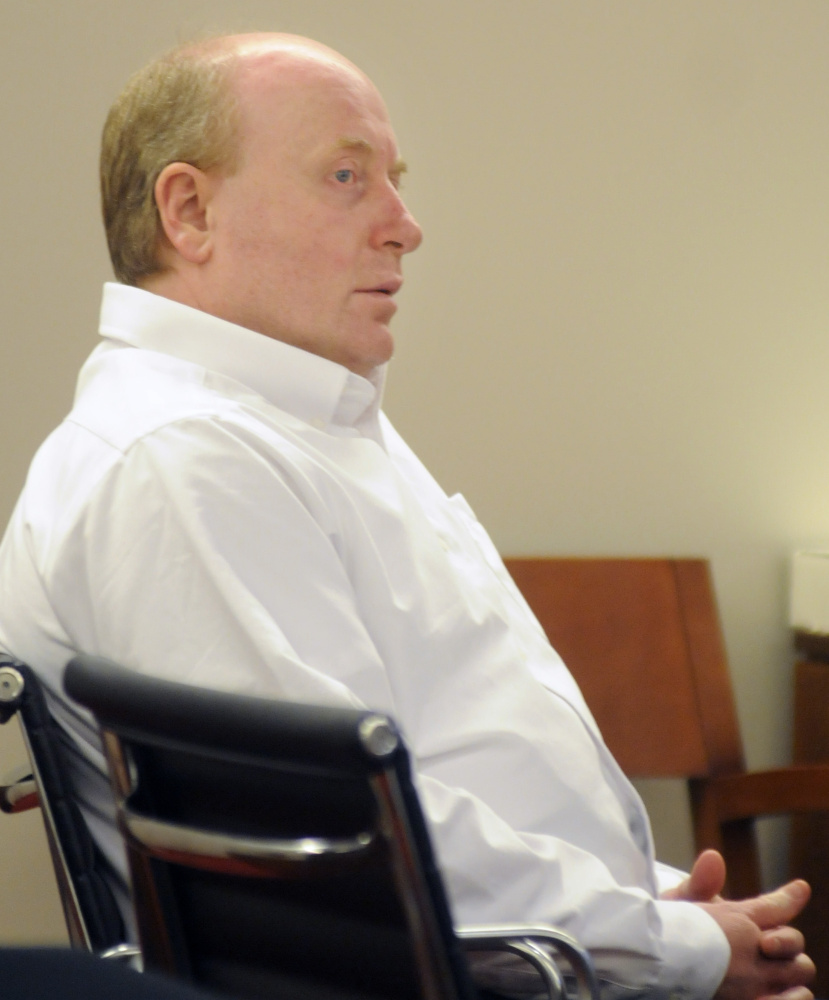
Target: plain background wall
613	340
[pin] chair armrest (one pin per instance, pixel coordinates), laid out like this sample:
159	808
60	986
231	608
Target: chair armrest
795	789
19	797
19	791
534	944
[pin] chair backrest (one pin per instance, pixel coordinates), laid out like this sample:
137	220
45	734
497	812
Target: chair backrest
92	916
642	638
274	848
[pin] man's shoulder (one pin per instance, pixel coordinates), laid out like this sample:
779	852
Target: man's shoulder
126	394
126	397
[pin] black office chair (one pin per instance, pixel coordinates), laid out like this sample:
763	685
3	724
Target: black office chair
278	849
93	919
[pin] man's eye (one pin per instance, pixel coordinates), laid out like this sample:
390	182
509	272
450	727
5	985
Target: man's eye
344	176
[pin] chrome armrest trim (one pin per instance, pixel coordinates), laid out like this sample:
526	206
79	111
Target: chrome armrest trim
527	941
129	953
252	856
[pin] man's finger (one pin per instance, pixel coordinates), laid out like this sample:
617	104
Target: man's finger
781	942
795	993
782	976
779	907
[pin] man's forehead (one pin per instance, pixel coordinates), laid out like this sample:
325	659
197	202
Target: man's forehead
317	106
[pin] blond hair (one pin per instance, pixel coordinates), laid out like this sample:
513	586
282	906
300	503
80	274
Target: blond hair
180	108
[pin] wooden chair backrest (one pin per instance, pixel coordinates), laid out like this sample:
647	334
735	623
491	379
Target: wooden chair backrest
642	638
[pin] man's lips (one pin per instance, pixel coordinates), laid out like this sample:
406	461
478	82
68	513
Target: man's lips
384	288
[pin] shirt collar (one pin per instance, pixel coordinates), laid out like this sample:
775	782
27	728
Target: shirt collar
310	387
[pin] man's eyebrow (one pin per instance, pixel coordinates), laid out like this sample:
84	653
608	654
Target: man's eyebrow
349	142
363	145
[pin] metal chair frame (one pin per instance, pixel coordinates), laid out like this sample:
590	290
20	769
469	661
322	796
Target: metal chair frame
46	783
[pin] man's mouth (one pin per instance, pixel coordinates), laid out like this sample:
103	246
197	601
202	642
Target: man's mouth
390	287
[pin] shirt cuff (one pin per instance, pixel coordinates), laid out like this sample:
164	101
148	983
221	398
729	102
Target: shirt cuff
696	951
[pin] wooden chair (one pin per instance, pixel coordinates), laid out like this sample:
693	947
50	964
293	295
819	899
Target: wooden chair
642	638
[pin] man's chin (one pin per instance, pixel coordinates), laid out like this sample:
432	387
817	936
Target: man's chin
370	354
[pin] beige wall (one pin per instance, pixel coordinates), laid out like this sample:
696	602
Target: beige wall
613	339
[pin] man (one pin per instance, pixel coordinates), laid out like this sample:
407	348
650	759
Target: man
226	504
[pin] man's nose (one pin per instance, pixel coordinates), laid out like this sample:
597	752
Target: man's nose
412	235
401	229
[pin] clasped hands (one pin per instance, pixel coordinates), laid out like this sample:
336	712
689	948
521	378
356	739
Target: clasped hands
767	956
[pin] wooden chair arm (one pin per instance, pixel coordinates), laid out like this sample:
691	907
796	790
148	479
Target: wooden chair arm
795	789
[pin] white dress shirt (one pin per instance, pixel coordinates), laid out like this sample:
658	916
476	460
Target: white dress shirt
226	510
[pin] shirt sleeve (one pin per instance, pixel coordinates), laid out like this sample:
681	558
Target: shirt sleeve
639	944
233	572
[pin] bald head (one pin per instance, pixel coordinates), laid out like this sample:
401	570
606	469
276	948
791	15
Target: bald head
186	106
254	44
249	48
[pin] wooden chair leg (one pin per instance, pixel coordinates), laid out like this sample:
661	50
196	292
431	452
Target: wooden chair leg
736	841
742	860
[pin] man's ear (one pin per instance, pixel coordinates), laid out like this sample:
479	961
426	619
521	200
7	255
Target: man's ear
182	194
